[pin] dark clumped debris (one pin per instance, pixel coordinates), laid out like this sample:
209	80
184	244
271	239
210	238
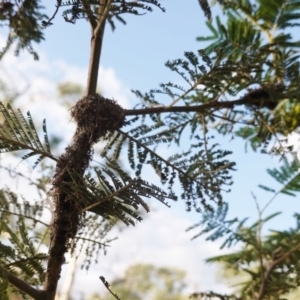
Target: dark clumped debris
264	96
95	116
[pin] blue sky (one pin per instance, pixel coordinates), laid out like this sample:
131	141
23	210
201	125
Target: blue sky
137	53
133	57
137	50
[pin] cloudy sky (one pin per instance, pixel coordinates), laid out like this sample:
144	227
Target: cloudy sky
133	57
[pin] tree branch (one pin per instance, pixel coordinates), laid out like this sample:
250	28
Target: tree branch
89	14
270	268
195	108
22	285
103	13
47	23
96	46
91	114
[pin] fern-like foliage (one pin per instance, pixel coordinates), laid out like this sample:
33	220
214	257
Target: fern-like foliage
276	256
208	84
17	133
288	175
92	238
118	8
25	233
213	296
215	224
259	30
270	264
116	194
248	61
279	253
244	83
21	227
206	8
201	171
22	18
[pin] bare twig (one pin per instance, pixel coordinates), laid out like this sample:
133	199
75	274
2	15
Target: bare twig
107	285
258	238
270	268
24	216
47	23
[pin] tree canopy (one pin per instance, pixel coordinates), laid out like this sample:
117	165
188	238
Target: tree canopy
245	83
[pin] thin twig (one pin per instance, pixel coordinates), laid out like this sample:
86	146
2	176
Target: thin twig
110	196
47	23
185	93
107	285
24	216
258	238
94	241
269	270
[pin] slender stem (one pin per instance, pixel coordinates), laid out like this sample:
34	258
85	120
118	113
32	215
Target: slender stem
271	267
185	93
109	197
107	285
23	146
58	4
94	241
179	170
258	239
17	262
96	46
24	216
103	13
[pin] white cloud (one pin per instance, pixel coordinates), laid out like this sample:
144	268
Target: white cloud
36	84
40	78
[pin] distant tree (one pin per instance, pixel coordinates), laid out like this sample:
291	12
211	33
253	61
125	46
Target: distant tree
141	282
246	83
265	267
